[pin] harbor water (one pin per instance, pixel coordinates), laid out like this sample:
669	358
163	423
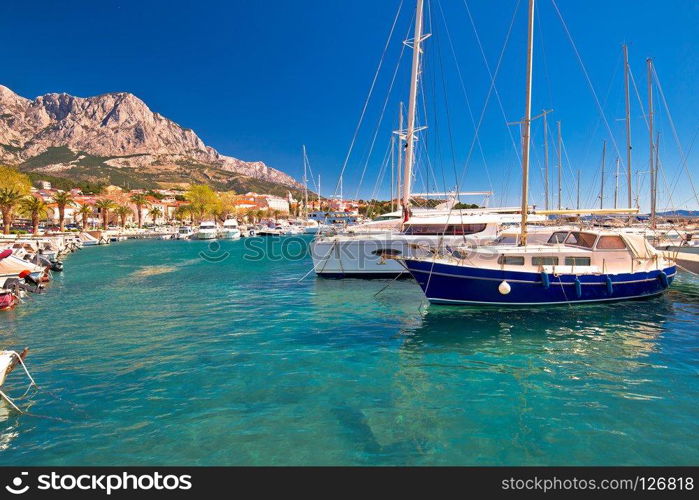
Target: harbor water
199	353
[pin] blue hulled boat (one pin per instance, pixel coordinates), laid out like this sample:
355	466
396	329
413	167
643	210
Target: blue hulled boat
572	267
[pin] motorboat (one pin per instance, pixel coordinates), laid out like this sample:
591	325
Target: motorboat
230	230
185	233
207	231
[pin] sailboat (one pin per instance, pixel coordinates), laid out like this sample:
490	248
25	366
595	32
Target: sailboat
366	250
573	266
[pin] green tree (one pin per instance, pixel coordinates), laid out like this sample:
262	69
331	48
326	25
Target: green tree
140	200
9	199
62	199
202	201
35	208
85	211
155	213
104	206
13	186
181	213
123	212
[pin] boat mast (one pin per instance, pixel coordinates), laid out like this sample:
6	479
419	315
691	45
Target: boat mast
560	163
400	152
601	191
393	168
649	64
320	206
616	184
526	125
577	203
628	127
412	110
305	185
546	166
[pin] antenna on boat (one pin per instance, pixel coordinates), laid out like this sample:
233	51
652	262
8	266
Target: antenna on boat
526	129
628	126
412	107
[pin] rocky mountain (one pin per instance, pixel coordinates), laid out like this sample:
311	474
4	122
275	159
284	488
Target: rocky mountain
114	138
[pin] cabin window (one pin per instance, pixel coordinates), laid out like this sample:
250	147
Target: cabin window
577	261
544	261
506	240
387	251
450	230
558	237
611	243
586	240
511	260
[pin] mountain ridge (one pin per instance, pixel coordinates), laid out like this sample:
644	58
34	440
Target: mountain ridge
114	134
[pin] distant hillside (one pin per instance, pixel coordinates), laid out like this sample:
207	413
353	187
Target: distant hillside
116	139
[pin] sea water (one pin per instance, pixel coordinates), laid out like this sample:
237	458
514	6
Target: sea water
219	353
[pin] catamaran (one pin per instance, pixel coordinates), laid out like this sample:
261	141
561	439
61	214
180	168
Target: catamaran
571	267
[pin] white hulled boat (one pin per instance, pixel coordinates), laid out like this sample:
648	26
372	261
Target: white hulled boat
207	230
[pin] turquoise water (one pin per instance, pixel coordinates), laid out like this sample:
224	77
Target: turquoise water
148	354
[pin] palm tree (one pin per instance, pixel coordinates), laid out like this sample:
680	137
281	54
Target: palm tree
62	199
123	212
9	199
140	200
85	211
35	208
155	213
181	212
104	207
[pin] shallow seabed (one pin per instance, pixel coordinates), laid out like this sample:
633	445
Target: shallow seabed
147	353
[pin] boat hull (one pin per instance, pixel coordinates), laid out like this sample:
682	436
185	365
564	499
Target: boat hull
456	284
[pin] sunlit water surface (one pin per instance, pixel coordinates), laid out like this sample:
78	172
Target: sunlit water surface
146	353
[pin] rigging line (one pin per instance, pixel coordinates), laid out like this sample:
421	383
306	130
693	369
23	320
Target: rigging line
468	102
368	98
638	97
619	63
674	133
447	107
587	77
691	146
378	125
493	78
382	171
442	81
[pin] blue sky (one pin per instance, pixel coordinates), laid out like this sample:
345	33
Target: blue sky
256	80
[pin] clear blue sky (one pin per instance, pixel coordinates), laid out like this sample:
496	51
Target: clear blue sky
256	80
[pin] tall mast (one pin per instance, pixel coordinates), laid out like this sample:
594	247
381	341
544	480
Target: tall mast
400	152
546	164
560	163
577	201
305	185
616	184
320	206
412	110
601	190
526	125
649	64
628	127
393	168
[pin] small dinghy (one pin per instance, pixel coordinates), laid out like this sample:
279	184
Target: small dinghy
8	361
